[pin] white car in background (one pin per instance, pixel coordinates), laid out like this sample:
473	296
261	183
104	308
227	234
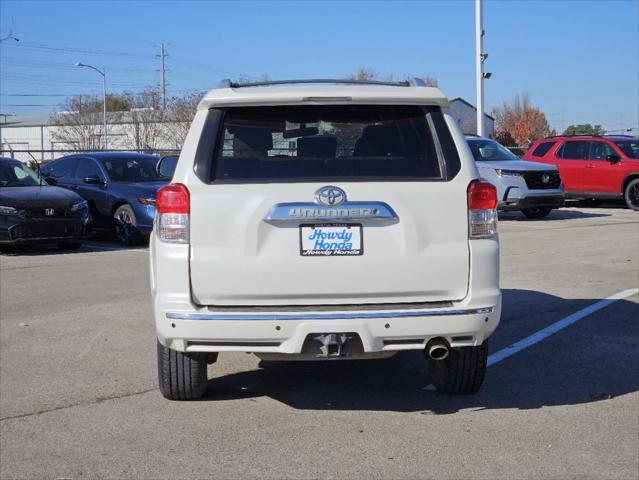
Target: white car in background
324	220
534	188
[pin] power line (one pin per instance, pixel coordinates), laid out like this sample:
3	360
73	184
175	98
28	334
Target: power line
57	48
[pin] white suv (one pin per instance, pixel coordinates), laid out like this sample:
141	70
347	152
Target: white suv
324	220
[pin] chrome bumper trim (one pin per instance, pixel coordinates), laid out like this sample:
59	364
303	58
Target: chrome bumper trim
326	316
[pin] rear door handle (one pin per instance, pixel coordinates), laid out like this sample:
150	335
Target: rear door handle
590	165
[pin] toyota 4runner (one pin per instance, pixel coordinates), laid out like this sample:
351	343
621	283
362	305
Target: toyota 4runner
324	220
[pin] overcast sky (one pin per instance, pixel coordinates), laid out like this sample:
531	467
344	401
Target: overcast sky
579	61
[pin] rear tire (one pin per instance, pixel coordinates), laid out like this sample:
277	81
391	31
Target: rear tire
462	372
631	194
536	213
182	376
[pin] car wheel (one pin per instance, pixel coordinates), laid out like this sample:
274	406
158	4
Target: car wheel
462	371
631	195
182	376
125	223
69	246
536	213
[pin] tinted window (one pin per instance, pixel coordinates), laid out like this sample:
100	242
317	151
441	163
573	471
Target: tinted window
630	148
542	149
88	167
489	150
574	150
131	169
600	151
332	142
62	168
17	175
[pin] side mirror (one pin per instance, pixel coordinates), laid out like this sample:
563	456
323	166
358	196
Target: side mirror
166	166
93	180
50	180
613	158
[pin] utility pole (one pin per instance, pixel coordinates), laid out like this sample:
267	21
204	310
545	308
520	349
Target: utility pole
163	76
480	59
104	99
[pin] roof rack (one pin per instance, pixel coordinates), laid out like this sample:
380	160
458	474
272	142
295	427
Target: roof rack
413	82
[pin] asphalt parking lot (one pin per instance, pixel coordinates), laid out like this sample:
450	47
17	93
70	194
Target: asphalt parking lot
79	397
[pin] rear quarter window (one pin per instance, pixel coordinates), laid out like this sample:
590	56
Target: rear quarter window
542	149
330	142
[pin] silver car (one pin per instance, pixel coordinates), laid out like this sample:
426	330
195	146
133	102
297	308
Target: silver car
531	187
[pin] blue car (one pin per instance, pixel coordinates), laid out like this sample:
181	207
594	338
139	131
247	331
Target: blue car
120	188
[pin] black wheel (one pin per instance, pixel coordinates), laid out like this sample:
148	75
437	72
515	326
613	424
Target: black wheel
462	372
125	223
69	246
536	213
631	195
182	376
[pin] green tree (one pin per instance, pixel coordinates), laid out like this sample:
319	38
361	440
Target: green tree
584	129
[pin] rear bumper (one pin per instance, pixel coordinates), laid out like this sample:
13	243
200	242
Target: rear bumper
287	332
184	326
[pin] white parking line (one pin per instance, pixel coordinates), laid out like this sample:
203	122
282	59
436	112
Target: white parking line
552	329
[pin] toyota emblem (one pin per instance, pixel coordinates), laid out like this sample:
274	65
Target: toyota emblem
330	196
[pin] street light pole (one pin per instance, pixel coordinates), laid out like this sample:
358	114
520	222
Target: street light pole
479	41
104	100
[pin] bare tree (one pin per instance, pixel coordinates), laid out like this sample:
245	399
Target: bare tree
179	114
79	124
145	120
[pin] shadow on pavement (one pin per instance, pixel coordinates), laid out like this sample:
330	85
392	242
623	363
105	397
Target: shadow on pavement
587	362
560	214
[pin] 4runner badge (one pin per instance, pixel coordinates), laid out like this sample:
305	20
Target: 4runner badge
330	205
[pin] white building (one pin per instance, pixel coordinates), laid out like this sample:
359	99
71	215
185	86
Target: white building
466	115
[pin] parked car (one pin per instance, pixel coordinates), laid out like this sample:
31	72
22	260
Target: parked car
593	167
533	188
325	222
32	211
119	186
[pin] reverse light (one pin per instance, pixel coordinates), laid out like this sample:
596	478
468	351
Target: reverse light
482	210
172	204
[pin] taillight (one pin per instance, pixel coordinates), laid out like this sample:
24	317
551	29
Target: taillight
482	210
172	204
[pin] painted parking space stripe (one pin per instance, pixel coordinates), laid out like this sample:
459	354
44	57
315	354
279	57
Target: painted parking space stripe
557	326
553	328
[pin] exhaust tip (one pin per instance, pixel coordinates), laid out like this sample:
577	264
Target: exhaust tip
437	349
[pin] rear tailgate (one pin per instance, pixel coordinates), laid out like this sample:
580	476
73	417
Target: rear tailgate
242	256
237	258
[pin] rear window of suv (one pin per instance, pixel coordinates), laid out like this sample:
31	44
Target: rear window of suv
333	142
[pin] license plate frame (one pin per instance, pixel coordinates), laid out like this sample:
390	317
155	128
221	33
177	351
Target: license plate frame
356	230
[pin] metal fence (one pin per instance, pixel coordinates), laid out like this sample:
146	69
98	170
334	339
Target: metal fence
43	156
